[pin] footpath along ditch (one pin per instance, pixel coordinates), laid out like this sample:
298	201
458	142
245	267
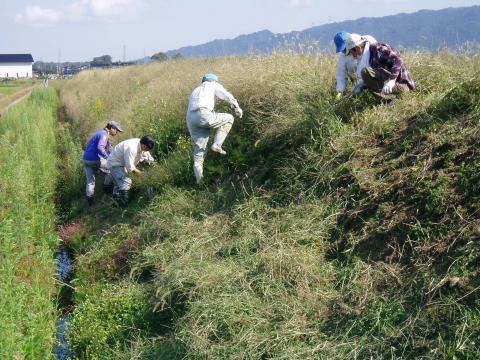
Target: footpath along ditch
11	100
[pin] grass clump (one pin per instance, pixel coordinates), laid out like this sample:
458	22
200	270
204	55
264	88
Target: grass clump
103	323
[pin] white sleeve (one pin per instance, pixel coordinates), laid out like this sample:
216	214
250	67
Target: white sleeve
129	156
341	74
364	61
223	94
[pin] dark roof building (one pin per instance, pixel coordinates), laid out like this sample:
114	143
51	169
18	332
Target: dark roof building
16	58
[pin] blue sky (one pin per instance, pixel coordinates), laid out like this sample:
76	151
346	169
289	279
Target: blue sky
78	30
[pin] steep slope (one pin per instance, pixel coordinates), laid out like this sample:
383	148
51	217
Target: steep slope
336	232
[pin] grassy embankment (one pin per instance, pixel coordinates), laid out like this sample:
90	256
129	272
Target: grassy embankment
334	232
27	232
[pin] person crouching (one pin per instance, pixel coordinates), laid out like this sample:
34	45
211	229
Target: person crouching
385	73
123	160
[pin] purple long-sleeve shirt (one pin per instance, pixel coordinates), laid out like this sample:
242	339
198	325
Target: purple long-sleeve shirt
98	146
384	56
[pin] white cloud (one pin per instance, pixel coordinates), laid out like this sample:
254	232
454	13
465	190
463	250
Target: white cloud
109	9
81	10
300	3
380	1
35	15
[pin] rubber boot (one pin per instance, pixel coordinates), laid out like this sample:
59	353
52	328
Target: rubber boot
90	200
123	197
108	189
198	170
219	139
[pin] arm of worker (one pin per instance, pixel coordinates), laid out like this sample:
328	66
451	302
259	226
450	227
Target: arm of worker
102	146
341	75
223	94
392	57
146	157
130	155
364	61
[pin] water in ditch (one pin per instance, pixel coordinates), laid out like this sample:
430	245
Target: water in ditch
64	258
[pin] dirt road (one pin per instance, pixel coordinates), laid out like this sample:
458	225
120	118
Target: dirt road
10	100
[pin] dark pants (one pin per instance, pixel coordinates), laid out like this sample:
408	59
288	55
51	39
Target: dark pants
374	79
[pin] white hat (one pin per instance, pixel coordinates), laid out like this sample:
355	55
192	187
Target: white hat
352	41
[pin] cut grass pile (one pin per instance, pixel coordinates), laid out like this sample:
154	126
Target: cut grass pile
27	231
334	232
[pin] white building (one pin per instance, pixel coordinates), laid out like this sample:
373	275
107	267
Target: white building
16	66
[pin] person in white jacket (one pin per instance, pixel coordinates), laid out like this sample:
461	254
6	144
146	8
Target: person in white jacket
124	159
348	66
201	117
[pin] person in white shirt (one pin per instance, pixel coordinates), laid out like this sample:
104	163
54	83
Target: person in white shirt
124	159
348	66
201	117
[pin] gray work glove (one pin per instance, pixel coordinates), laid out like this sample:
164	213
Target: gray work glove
388	87
103	166
239	112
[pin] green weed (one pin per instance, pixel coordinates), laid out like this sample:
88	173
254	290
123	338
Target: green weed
27	232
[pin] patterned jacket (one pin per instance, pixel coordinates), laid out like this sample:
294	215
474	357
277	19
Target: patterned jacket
384	56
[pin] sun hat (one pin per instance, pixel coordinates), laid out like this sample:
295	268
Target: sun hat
339	39
115	124
210	77
352	41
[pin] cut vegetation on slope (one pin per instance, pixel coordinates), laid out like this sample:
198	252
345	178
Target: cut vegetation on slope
327	232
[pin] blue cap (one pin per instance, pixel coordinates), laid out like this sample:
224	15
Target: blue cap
210	77
340	40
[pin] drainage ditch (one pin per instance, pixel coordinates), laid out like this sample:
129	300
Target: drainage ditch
64	257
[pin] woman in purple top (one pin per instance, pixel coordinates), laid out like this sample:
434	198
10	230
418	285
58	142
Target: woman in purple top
95	156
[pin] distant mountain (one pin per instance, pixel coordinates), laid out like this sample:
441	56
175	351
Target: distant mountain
451	28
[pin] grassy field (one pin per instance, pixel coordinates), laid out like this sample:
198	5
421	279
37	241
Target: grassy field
328	232
8	87
13	90
27	232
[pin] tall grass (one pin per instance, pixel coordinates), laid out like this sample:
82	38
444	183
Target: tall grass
337	232
27	232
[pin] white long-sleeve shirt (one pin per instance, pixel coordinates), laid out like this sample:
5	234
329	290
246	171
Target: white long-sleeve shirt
350	68
203	97
128	154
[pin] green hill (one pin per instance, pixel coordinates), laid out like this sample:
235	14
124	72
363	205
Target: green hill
455	29
328	232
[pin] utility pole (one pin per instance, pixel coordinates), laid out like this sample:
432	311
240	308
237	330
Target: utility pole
59	60
124	53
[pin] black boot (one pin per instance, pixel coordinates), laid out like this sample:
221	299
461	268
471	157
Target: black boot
108	189
90	200
122	197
